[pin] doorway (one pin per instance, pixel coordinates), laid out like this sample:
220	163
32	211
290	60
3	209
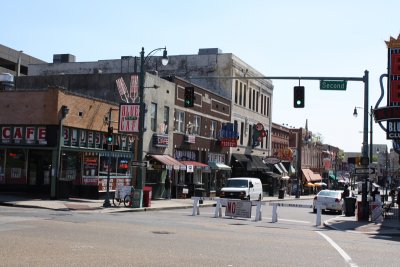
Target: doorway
39	171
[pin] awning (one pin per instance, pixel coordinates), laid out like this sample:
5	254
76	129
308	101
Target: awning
272	175
197	165
283	167
332	176
240	157
256	164
278	167
309	185
311	176
219	166
292	170
168	160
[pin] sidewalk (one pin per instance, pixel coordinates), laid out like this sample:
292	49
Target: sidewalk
388	227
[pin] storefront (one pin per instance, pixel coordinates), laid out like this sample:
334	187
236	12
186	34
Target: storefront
85	164
247	165
219	173
197	176
161	166
26	158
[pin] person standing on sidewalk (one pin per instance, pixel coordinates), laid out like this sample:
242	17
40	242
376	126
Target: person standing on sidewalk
168	183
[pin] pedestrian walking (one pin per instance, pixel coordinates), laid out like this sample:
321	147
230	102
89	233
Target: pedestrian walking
168	183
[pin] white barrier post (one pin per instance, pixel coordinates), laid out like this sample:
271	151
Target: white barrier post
258	211
274	214
196	206
318	223
218	209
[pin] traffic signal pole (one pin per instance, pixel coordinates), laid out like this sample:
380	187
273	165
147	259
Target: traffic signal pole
107	203
363	79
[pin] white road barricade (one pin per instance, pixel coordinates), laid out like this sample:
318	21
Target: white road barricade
224	202
275	206
196	203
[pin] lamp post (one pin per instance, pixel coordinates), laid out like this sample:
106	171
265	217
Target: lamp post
139	156
54	184
355	114
365	209
107	202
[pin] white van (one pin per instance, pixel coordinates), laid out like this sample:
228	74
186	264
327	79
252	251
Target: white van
245	188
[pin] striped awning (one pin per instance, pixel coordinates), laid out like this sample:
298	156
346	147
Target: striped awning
197	165
168	160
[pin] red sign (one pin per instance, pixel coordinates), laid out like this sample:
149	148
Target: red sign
387	113
129	115
228	142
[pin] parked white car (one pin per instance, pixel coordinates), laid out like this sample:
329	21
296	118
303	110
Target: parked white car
329	199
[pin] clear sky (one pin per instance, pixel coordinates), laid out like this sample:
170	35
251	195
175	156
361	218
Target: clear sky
338	38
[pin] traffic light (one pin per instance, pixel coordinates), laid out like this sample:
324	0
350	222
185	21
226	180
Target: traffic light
298	97
110	135
189	96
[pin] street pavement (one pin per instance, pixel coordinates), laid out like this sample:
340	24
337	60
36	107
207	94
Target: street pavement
388	227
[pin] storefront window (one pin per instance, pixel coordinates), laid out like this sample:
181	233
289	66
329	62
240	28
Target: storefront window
15	163
123	166
90	164
70	166
104	166
2	158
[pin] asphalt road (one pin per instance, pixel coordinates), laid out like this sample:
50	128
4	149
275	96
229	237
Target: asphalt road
32	237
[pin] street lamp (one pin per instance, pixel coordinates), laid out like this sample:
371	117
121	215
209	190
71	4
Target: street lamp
54	194
143	59
355	114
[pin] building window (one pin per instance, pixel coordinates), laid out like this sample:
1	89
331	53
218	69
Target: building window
213	129
244	94
166	119
180	121
241	132
240	93
268	107
250	89
262	104
153	116
265	105
254	99
250	136
257	100
196	125
236	91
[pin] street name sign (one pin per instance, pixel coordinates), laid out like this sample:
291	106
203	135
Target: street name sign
332	85
364	170
139	164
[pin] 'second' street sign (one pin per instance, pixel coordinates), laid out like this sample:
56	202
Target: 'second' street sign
332	85
364	170
139	164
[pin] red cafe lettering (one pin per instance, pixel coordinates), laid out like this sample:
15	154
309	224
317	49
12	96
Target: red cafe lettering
23	134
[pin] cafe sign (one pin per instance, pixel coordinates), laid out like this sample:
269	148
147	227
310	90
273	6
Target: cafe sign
24	135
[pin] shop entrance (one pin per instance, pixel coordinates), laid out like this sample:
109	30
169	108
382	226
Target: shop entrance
39	171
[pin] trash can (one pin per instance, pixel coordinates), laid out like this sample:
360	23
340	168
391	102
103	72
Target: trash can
281	194
350	206
147	190
270	191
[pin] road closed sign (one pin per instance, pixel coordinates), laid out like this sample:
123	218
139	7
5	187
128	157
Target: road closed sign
238	208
